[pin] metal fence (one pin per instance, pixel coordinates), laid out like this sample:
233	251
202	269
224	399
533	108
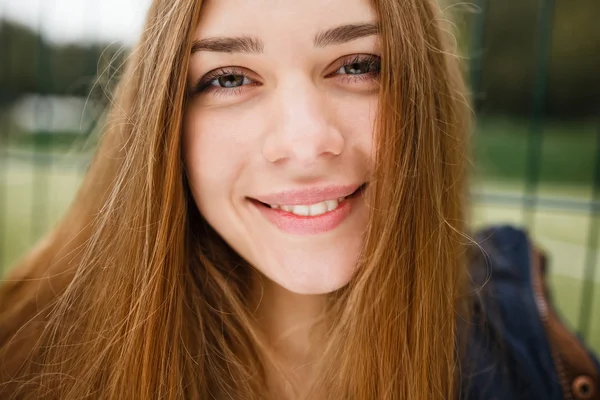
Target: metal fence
529	199
38	177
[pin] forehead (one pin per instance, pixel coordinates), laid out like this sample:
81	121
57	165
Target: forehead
269	18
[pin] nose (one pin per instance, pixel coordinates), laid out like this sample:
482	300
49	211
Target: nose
302	131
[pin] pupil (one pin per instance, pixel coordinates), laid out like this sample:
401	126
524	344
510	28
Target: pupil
355	68
229	81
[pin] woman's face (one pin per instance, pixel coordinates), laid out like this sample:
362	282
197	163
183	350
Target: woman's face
278	133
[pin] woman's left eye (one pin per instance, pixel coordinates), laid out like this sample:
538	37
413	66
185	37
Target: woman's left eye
369	65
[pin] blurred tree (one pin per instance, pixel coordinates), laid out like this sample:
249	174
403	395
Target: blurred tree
32	65
18	66
510	50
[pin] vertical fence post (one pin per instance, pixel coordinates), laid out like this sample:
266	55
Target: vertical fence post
543	44
4	127
41	165
587	293
476	52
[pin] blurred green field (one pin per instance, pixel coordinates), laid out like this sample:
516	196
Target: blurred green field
33	196
567	150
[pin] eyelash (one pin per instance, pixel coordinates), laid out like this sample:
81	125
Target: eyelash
205	83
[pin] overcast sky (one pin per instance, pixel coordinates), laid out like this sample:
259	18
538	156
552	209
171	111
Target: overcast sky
79	20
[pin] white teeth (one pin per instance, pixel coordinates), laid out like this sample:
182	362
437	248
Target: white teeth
318	209
332	204
310	210
303	211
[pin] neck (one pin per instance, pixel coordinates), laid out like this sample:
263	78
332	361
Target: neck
292	325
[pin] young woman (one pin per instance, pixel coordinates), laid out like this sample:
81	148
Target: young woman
276	210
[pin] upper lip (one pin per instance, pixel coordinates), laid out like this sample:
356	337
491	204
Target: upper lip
308	196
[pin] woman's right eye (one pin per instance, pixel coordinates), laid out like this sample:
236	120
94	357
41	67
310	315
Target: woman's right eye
230	81
223	81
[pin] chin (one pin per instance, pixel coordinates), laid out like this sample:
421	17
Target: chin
310	275
315	286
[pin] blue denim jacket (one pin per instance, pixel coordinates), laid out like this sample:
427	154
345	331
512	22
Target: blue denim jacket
518	346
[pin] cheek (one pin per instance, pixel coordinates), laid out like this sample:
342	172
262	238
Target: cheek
213	155
219	143
356	117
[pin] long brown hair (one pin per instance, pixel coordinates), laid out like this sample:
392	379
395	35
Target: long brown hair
133	296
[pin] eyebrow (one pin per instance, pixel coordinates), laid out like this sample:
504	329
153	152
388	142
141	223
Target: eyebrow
242	44
345	33
249	44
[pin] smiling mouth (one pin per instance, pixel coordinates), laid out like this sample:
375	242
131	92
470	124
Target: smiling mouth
315	209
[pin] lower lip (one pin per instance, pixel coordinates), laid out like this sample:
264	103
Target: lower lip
298	225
